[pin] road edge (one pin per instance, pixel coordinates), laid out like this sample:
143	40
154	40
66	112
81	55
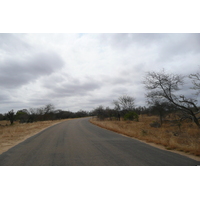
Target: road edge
159	146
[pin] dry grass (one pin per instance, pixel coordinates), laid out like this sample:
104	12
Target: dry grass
185	138
10	135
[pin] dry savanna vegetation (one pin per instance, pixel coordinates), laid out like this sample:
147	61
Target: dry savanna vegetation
183	137
11	135
172	118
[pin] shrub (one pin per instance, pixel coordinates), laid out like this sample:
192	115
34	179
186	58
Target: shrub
155	124
131	115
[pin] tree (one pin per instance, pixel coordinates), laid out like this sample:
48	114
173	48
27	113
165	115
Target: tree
127	103
163	87
48	112
117	109
49	108
123	105
11	116
23	116
1	117
100	112
160	108
131	115
196	82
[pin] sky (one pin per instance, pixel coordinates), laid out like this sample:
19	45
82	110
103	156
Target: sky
82	71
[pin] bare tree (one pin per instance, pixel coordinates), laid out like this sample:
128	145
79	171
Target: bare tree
49	108
124	104
127	103
196	82
163	87
100	112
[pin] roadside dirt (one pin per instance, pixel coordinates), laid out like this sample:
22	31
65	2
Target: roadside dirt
13	135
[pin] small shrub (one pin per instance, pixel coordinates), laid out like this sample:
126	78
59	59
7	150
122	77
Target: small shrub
131	116
155	124
144	132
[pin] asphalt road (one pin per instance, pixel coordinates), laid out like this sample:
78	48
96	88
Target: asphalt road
79	143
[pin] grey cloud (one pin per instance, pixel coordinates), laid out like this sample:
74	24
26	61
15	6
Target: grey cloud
117	80
166	46
39	101
99	101
13	43
181	45
3	97
124	40
69	87
17	72
76	89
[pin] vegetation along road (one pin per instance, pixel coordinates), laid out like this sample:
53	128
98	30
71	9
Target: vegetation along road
79	143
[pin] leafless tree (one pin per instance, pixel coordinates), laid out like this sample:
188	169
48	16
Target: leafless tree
163	87
49	108
124	104
196	82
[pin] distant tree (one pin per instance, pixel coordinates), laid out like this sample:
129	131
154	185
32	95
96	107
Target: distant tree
100	112
163	87
23	116
81	113
43	113
110	113
124	104
117	109
1	116
49	108
162	109
11	116
131	115
48	112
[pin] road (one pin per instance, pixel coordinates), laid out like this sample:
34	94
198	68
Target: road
79	143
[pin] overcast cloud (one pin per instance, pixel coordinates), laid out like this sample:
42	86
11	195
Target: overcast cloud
83	71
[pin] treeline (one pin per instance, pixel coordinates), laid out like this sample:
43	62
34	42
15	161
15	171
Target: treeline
47	112
125	109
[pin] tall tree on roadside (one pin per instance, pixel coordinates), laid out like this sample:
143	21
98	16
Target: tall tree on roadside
163	87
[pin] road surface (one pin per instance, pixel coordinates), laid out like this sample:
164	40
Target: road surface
79	143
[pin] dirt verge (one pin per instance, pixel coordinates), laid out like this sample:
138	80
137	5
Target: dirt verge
17	133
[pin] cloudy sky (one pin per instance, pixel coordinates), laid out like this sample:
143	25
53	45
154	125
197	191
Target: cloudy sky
83	71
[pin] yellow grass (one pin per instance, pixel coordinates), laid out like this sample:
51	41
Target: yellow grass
11	135
185	138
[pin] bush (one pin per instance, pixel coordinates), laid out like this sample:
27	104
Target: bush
155	124
131	116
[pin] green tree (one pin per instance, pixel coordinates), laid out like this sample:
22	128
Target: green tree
131	115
